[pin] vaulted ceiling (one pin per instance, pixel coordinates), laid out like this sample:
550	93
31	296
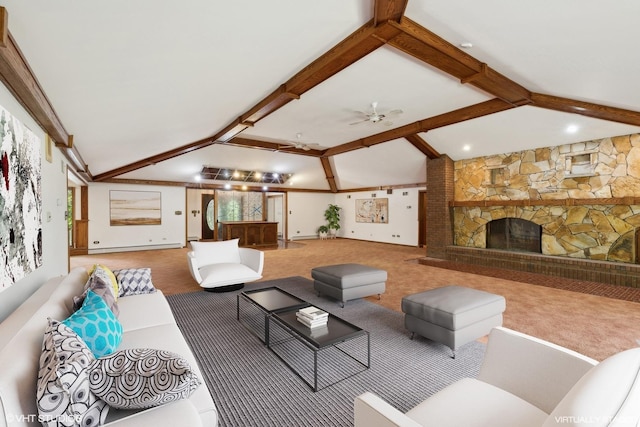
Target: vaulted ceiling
153	91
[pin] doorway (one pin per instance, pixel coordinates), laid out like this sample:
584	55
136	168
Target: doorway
422	219
207	226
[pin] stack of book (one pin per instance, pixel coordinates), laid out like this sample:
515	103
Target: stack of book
312	317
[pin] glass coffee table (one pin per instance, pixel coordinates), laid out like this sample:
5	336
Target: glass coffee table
255	306
320	356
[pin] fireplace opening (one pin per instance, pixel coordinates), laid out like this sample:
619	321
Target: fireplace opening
514	234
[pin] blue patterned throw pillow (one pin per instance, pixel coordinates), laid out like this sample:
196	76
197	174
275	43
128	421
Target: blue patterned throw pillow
141	378
96	325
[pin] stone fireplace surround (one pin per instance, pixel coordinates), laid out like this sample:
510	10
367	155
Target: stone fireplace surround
593	242
583	195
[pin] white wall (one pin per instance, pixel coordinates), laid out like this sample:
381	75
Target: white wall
106	238
305	213
403	217
54	231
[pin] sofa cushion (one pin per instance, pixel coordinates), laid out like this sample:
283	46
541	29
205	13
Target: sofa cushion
607	395
470	402
169	337
63	395
225	251
134	281
142	378
96	324
156	311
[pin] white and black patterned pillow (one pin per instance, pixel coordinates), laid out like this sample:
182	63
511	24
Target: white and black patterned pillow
134	281
63	395
141	378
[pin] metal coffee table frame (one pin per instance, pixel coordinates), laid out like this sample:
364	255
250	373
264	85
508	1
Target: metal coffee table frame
338	331
264	302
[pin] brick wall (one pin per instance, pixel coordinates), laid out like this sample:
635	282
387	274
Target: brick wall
614	273
440	191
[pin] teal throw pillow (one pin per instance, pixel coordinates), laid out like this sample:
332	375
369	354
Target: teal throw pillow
96	324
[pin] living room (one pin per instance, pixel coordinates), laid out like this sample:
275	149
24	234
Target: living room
372	165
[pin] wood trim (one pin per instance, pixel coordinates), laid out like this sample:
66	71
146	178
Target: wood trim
551	202
273	146
328	172
423	146
388	10
16	74
432	49
586	109
385	187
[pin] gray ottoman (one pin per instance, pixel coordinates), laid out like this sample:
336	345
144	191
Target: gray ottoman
452	315
345	282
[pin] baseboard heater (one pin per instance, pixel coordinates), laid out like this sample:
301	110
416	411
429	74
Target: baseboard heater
135	248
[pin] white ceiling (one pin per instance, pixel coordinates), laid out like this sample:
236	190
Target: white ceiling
132	79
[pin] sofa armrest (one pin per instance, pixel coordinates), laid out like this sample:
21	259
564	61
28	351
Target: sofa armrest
252	258
538	371
371	410
178	413
193	266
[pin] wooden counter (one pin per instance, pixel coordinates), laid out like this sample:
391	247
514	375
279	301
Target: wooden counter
251	233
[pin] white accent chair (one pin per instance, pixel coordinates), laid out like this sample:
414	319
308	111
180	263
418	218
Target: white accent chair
221	266
525	381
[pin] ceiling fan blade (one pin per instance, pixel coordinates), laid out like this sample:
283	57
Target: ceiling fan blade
387	123
361	121
395	112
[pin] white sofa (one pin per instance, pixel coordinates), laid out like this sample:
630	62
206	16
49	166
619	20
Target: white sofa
525	381
222	265
147	322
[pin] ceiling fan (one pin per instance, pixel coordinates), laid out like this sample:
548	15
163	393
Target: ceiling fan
301	145
376	117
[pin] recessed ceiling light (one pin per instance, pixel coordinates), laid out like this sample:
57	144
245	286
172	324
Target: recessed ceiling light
227	186
466	45
466	147
198	178
572	129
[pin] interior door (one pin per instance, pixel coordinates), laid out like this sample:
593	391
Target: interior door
422	219
208	219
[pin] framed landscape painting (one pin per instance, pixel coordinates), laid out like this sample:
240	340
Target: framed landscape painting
135	207
372	211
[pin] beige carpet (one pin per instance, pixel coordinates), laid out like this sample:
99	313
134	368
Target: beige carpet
593	325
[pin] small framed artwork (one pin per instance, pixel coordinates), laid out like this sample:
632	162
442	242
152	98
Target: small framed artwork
48	148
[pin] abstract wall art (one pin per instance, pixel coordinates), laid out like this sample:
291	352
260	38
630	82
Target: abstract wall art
135	207
372	210
20	200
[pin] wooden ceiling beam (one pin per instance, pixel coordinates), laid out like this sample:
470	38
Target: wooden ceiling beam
388	10
328	172
588	109
274	146
356	46
423	146
17	76
432	49
359	44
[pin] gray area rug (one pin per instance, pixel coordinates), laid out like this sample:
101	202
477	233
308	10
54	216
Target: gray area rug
252	387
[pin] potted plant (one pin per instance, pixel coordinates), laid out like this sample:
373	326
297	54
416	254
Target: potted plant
332	215
322	231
